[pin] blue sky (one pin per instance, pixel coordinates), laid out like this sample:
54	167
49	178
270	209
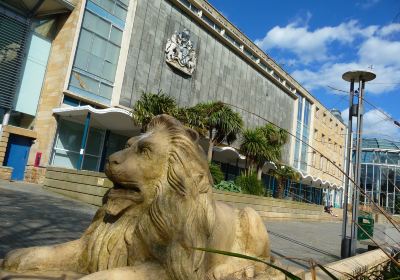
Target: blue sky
317	41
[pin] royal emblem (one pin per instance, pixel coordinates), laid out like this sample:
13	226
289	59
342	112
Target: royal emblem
180	52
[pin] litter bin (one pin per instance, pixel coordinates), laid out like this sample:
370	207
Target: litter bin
367	223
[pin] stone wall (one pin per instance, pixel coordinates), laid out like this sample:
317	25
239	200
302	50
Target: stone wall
86	186
35	174
5	173
3	145
90	187
220	73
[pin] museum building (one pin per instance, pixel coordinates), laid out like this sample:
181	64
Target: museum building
98	56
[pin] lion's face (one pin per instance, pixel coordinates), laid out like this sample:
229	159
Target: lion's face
135	169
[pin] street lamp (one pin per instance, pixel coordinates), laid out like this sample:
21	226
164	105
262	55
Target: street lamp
349	245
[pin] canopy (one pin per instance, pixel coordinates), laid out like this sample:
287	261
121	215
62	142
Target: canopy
41	8
116	120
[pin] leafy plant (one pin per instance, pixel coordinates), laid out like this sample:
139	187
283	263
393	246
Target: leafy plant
287	273
250	184
229	186
216	172
282	173
215	120
261	145
150	105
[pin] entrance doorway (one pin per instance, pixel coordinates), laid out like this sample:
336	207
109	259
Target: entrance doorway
17	155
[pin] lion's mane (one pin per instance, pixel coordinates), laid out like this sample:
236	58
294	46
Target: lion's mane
182	213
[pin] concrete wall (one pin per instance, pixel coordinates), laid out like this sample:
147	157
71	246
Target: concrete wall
220	73
90	187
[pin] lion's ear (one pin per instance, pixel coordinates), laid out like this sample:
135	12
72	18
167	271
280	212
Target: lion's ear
192	134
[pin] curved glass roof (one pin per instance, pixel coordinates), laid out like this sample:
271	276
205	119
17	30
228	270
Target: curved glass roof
375	143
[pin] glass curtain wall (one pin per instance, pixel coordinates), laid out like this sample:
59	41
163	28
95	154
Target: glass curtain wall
380	179
302	133
97	54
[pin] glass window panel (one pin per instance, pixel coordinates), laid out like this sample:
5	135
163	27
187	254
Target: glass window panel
81	59
99	46
65	159
125	2
102	27
90	20
106	91
300	108
363	172
120	12
81	81
69	136
109	71
107	5
369	177
90	163
112	53
391	179
85	40
94	142
367	156
392	158
95	65
116	36
115	143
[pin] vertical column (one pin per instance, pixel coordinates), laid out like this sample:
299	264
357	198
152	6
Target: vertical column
345	241
84	141
356	196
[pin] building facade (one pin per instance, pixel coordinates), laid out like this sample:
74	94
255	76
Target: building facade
380	174
104	54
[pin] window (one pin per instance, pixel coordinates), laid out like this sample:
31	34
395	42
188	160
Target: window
315	134
97	54
68	144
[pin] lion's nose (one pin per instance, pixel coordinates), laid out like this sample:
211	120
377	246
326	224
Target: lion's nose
115	158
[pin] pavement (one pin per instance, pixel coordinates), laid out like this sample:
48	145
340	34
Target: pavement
32	216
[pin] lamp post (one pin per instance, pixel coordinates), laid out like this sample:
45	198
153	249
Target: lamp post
349	245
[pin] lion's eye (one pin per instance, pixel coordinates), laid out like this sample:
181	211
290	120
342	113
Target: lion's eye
144	149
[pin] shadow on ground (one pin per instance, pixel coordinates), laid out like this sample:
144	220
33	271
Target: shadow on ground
31	220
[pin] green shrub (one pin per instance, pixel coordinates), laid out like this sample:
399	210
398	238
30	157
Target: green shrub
249	184
216	172
229	186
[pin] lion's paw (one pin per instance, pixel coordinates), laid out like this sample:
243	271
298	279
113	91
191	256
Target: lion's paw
19	259
231	272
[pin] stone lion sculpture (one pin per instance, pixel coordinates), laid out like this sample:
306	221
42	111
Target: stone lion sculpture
160	208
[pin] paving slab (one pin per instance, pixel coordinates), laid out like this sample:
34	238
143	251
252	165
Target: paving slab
32	216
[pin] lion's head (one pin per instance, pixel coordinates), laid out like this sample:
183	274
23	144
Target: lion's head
164	172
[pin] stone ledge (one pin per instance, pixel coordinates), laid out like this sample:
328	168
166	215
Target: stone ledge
350	265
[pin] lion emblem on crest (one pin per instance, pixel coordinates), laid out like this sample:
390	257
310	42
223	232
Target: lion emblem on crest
160	208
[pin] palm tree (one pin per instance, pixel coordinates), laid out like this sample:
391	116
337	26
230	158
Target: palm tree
258	148
215	120
150	105
263	144
282	173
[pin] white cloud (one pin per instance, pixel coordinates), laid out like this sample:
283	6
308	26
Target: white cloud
312	45
378	51
366	4
330	74
389	29
376	124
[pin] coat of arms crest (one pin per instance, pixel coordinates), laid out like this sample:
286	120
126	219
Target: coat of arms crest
180	52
